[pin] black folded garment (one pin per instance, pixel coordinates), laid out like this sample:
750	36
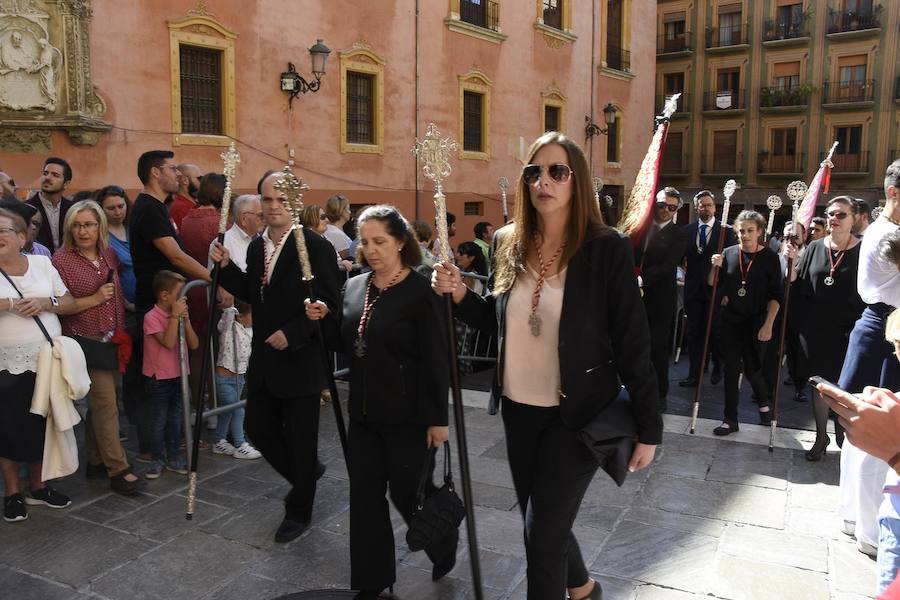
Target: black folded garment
610	436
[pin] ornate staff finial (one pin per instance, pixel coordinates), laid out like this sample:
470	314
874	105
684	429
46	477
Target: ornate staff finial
796	191
293	187
774	203
231	158
728	192
434	152
503	182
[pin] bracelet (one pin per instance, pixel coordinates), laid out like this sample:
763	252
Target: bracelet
11	305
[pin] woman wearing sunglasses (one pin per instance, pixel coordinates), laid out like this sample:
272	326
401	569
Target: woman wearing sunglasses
570	324
828	303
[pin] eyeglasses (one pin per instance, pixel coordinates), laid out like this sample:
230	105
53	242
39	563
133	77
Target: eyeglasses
669	207
86	226
323	216
250	212
837	214
7	231
558	172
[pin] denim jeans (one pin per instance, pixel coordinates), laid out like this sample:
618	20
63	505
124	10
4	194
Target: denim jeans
228	391
888	551
165	417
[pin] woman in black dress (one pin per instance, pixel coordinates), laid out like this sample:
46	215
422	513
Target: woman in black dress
828	303
392	328
571	329
750	280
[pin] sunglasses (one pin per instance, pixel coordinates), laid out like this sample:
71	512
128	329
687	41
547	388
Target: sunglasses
669	207
837	214
558	172
322	217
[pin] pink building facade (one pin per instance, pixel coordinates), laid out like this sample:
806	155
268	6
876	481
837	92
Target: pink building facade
419	61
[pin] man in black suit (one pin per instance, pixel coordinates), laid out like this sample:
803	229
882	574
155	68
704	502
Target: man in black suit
658	258
51	202
286	373
703	241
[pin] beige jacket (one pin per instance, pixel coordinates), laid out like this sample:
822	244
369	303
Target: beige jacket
62	378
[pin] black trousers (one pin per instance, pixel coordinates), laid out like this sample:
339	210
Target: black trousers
741	348
551	470
286	432
697	310
660	349
384	457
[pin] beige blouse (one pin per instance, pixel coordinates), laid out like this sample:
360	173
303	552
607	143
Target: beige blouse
531	364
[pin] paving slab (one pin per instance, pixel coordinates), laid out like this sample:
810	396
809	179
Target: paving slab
742	579
763	545
252	587
27	587
850	570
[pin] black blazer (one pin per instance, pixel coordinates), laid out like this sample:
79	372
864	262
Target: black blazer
404	376
661	258
44	236
699	263
604	338
299	369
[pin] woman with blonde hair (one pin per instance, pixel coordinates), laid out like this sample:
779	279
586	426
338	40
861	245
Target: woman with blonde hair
570	324
90	270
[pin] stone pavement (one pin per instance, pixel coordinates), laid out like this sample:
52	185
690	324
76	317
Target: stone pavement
711	518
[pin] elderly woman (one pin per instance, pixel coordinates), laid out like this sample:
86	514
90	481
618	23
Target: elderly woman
751	296
29	287
89	269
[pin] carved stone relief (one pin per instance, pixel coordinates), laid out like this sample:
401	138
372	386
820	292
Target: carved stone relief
45	70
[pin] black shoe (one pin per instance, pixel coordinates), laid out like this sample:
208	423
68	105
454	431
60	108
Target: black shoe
689	382
95	471
48	497
120	485
715	378
14	508
320	470
725	428
817	452
596	592
290	530
368	595
765	418
800	396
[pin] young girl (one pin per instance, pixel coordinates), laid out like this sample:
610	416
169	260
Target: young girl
235	334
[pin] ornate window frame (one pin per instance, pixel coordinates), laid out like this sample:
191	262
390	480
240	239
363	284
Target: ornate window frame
455	23
205	32
361	59
620	127
554	97
553	36
478	82
626	41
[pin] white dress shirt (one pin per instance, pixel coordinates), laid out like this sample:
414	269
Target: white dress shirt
878	280
236	241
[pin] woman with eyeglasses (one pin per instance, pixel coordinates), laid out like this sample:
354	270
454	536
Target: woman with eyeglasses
828	303
751	295
570	325
89	269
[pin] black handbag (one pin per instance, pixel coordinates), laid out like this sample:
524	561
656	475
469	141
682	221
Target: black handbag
610	436
97	354
440	513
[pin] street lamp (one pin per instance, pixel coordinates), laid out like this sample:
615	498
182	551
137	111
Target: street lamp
609	116
293	83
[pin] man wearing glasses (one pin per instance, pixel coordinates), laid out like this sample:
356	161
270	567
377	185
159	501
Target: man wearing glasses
248	223
658	258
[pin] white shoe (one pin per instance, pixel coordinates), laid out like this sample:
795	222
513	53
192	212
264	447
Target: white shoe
246	451
849	528
224	447
867	549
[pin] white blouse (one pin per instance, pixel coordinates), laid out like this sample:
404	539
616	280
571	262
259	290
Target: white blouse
531	364
20	338
234	342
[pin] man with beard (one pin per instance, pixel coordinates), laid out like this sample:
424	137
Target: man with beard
286	373
185	199
51	202
703	240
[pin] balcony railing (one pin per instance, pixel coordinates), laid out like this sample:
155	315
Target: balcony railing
723	37
719	164
849	163
485	13
843	92
779	96
670	45
684	103
618	59
780	163
553	15
725	100
842	21
786	30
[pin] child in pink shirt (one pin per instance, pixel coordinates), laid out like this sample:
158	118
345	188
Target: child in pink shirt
162	373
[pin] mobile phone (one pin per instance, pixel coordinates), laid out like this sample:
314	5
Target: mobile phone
816	380
109	276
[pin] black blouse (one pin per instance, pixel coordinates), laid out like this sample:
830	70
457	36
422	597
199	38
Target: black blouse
403	377
840	300
762	283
